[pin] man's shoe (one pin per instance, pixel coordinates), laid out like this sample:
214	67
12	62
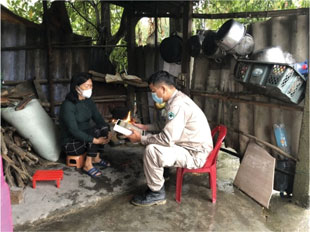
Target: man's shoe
167	173
150	198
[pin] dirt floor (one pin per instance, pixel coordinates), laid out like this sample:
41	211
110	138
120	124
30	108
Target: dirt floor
233	211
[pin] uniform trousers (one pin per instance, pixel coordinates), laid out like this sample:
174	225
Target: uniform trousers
156	157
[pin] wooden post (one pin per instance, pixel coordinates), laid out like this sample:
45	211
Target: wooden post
187	29
131	58
156	63
131	43
301	191
48	58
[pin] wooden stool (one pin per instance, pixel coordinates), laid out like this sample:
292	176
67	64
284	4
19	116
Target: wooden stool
76	160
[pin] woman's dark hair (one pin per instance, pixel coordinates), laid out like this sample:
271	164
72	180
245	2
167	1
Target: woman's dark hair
162	77
77	80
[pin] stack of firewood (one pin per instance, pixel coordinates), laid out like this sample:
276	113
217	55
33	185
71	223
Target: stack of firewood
19	160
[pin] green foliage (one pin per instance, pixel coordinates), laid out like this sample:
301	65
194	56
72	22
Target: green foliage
79	25
116	16
27	9
119	57
145	29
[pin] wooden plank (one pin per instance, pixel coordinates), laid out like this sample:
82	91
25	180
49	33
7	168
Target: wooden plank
39	91
256	174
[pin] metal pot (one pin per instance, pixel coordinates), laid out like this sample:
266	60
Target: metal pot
209	45
245	47
210	48
230	34
195	43
194	46
171	49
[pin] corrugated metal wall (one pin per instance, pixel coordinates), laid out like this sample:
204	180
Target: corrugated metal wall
29	63
291	34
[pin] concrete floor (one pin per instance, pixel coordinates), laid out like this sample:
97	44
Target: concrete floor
106	206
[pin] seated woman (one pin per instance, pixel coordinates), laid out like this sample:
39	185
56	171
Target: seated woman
77	134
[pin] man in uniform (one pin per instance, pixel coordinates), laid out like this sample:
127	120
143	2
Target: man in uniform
185	140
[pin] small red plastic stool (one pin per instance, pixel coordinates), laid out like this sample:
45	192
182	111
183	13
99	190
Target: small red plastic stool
44	175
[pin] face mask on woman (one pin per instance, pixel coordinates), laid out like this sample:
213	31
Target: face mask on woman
85	93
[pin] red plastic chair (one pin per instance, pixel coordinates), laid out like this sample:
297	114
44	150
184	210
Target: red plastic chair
210	165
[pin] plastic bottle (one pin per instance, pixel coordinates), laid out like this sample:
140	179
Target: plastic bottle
281	138
302	68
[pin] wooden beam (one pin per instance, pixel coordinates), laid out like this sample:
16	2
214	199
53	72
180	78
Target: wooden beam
269	145
251	14
156	63
187	30
225	97
131	43
254	14
48	58
87	46
34	47
40	81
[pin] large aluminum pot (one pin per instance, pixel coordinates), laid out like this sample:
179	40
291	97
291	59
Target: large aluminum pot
230	34
245	47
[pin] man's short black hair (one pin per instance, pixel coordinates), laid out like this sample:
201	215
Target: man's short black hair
162	77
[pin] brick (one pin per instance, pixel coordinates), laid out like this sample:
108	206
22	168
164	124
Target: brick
17	195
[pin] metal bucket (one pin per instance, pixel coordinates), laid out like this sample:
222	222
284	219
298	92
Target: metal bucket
230	34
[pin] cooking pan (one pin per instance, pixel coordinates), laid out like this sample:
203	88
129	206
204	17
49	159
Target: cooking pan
171	49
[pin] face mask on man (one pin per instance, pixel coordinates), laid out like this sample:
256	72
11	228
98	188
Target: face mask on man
157	99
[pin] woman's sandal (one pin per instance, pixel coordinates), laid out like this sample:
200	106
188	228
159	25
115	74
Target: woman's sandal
93	172
103	163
